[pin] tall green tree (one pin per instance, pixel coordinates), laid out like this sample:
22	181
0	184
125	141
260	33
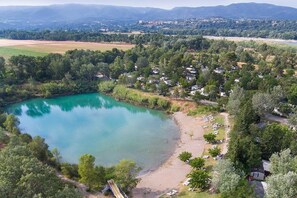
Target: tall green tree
282	185
275	138
125	174
86	169
11	123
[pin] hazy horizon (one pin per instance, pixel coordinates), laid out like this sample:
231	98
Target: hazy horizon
165	4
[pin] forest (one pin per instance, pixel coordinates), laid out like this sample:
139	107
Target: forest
247	79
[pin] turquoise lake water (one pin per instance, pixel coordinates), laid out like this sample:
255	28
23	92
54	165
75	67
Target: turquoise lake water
101	126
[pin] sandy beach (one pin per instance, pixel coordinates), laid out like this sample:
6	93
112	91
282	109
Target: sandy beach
173	172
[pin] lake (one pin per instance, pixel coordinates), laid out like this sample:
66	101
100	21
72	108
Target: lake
99	125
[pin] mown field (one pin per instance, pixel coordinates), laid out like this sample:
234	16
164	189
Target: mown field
10	48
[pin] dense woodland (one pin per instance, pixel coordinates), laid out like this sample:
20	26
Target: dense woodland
86	36
248	80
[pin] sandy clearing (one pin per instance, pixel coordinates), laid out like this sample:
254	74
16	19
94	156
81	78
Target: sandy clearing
173	172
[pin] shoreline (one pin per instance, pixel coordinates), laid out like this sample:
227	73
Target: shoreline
173	171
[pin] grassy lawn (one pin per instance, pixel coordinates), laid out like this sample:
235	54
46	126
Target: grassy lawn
189	194
202	110
7	52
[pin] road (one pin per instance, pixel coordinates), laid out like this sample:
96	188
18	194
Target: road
276	119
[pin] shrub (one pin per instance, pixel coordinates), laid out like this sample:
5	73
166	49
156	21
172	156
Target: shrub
210	138
175	108
162	103
70	170
197	162
106	86
214	152
185	156
52	88
199	179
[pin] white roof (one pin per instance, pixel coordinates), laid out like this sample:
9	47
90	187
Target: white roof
266	165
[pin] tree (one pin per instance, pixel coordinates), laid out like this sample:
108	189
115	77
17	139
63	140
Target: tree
210	137
245	118
243	190
86	169
185	156
70	170
68	192
106	86
278	94
282	163
57	155
235	99
225	178
39	148
214	152
2	65
142	62
163	89
280	185
125	175
275	138
263	103
293	118
292	94
11	123
197	162
4	139
22	175
199	179
88	72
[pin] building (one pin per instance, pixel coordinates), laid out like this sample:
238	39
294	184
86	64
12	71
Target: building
261	172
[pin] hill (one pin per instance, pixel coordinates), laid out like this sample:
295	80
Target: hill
11	16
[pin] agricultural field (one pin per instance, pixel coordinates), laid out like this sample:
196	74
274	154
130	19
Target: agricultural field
10	48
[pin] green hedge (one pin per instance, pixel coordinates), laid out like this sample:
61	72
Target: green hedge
123	93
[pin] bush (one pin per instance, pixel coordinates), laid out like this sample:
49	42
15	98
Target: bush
199	179
185	156
135	97
175	108
106	86
52	88
214	152
197	162
70	170
4	139
210	138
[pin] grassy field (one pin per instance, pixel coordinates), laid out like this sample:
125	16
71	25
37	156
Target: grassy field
7	52
10	48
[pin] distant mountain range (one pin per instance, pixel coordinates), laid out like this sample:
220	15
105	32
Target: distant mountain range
80	13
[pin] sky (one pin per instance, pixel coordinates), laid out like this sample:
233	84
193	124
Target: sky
167	4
